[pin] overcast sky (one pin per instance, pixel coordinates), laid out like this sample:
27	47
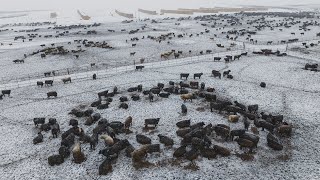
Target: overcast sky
9	5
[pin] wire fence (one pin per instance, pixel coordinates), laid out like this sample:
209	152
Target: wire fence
300	40
113	67
120	68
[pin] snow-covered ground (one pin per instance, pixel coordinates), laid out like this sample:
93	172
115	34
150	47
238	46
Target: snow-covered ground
290	91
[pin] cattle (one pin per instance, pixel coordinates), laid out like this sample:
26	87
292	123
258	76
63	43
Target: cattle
253	108
47	74
222	150
135	97
55	160
245	143
216	73
184	75
52	93
55	130
233	118
73	122
222	131
310	66
202	86
246	123
124	106
198	75
139	68
152	121
65	80
18	61
103	93
48	82
155	91
142	139
186	97
165	140
274	142
132	89
216	58
254	138
123	99
237	132
184	109
38	121
216	106
229	76
183	124
52	121
194	84
285	130
237	57
180	152
132	53
263	84
226	72
139	154
6	92
244	54
241	106
164	95
210	97
40	83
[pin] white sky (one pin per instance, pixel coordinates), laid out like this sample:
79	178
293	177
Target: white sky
9	5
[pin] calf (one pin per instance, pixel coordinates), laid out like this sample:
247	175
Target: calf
132	53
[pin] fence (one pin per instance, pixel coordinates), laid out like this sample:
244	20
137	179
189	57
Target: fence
301	40
103	70
23	82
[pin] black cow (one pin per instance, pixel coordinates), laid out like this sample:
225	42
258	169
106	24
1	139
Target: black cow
4	92
103	93
52	93
197	75
153	121
48	82
184	75
139	68
47	74
216	58
40	83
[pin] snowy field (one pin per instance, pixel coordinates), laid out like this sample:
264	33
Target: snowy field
290	91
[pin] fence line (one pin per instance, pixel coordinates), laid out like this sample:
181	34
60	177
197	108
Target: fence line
87	73
118	69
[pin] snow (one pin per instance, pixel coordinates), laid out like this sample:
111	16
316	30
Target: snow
290	91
